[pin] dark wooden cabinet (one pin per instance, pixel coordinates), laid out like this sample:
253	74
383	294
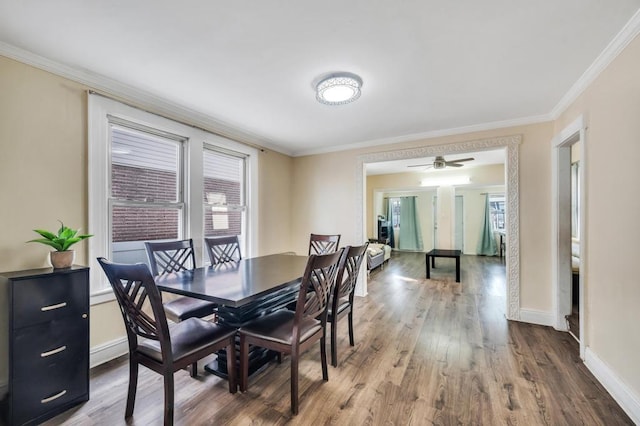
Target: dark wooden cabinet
383	231
47	339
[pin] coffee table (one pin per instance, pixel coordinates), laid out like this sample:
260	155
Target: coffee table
443	253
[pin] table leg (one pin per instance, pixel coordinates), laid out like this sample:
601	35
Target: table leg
457	269
237	317
428	270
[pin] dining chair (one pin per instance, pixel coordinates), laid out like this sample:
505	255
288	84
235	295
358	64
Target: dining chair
223	249
153	343
174	256
294	332
342	297
323	244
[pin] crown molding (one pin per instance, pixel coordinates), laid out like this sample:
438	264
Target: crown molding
139	98
613	49
429	135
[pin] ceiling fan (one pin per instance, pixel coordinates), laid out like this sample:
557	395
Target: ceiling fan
441	163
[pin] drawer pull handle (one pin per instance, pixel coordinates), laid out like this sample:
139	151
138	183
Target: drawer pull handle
53	352
54	397
52	307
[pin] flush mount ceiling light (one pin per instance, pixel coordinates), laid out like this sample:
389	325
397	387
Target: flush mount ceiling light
339	89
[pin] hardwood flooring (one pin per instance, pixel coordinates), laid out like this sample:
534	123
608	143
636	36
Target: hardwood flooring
427	352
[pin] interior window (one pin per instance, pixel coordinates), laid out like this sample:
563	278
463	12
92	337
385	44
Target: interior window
224	194
146	192
149	177
496	203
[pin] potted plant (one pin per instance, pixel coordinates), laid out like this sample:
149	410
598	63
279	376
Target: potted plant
62	257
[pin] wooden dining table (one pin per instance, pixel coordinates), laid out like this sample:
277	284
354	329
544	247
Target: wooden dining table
243	291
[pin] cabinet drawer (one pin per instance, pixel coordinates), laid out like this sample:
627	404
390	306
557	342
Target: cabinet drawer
54	344
46	391
38	300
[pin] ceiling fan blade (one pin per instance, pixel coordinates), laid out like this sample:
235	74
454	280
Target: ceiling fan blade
450	164
419	165
461	160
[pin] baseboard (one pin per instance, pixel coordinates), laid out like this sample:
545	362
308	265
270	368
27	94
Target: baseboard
536	317
623	394
107	351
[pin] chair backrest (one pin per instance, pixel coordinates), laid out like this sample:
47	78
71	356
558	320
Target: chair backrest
348	271
133	286
316	286
323	244
223	249
170	256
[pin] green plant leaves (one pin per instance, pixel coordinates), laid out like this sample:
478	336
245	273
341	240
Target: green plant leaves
65	238
53	244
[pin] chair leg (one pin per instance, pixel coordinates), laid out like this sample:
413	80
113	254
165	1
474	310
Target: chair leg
294	382
323	358
244	364
168	398
193	371
351	339
231	366
334	342
133	385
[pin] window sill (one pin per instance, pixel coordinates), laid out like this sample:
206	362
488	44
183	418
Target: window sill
102	297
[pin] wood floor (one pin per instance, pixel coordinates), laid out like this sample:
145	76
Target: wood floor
427	352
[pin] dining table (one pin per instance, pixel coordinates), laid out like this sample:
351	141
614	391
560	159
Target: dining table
243	290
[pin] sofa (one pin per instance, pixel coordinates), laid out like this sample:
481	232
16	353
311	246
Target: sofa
377	255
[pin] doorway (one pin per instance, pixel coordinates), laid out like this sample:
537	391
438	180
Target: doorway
511	146
458	238
568	229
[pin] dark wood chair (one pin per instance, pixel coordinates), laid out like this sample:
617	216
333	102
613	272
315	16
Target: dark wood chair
292	332
342	297
323	244
152	343
223	249
175	256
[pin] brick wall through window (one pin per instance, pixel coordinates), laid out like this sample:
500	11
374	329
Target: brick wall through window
146	184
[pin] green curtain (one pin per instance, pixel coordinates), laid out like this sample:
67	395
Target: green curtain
392	240
487	243
410	234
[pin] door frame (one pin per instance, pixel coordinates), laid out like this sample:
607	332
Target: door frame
561	223
511	146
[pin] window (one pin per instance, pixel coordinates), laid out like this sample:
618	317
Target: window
148	177
395	212
224	194
146	191
496	204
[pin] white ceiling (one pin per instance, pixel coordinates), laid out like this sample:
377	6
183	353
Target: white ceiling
482	158
428	66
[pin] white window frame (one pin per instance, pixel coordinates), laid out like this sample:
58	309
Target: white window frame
100	109
242	207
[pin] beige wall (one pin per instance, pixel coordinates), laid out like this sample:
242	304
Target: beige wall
274	171
610	153
43	177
